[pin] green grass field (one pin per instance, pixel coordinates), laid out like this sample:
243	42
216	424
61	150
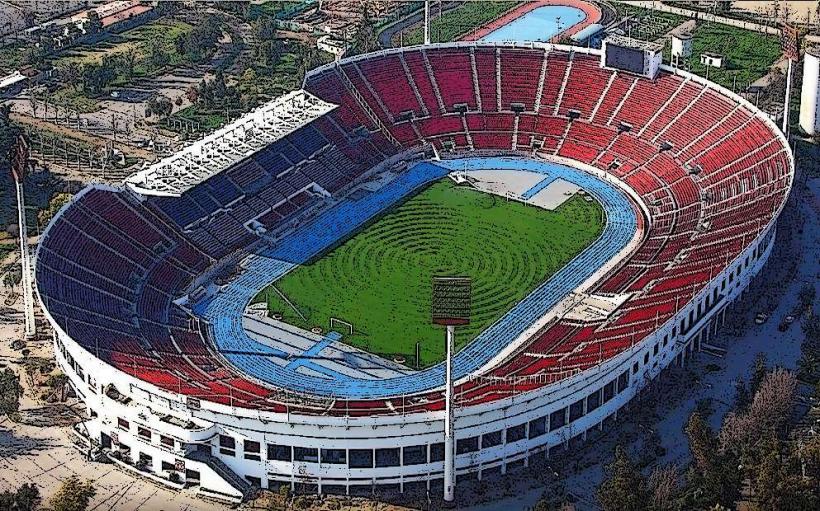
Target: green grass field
457	22
380	279
749	54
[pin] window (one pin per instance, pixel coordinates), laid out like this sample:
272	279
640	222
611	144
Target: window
593	401
334	456
491	439
387	457
576	410
146	460
623	381
655	350
361	458
166	441
516	433
558	419
308	454
646	358
252	449
665	340
465	445
609	391
123	424
227	445
635	367
256	482
144	433
538	427
279	452
415	455
437	452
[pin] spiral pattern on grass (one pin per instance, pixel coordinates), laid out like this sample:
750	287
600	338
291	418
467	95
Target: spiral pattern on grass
380	279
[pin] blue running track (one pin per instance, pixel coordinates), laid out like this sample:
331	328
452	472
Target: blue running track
224	311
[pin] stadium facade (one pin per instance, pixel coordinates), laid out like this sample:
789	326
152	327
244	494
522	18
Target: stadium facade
145	284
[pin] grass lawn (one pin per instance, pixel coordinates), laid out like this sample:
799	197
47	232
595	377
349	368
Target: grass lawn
274	9
208	121
380	279
749	54
457	22
75	99
163	30
12	57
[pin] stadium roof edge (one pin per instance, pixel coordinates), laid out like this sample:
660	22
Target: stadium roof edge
175	174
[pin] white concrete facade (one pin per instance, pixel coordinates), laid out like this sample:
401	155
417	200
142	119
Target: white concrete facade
810	93
536	415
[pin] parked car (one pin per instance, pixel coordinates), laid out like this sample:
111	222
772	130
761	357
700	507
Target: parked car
761	318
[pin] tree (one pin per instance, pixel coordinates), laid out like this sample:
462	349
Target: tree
779	485
192	93
71	74
94	24
765	417
265	29
157	56
806	296
160	106
25	498
758	373
8	134
742	397
128	62
624	488
10	392
663	487
713	477
56	202
73	495
97	77
365	39
57	383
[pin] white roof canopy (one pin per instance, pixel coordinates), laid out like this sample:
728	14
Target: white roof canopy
174	175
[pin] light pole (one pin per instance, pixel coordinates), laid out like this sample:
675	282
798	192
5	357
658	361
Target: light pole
450	308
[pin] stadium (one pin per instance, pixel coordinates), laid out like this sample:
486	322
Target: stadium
254	310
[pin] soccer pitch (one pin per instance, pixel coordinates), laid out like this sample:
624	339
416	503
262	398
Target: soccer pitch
380	279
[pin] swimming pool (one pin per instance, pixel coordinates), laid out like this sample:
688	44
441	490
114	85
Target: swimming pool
540	24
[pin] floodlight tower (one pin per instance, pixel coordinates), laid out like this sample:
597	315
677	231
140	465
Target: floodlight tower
790	45
450	307
426	21
19	162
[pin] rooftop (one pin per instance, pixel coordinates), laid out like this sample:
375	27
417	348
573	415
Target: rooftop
628	42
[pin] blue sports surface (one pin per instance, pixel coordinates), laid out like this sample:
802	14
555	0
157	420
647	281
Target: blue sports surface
224	310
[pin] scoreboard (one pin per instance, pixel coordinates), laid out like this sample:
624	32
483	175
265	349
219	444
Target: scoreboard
632	56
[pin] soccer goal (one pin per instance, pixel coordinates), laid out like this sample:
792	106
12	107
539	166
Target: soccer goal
343	322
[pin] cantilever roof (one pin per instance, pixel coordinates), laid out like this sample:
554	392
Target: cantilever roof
174	175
